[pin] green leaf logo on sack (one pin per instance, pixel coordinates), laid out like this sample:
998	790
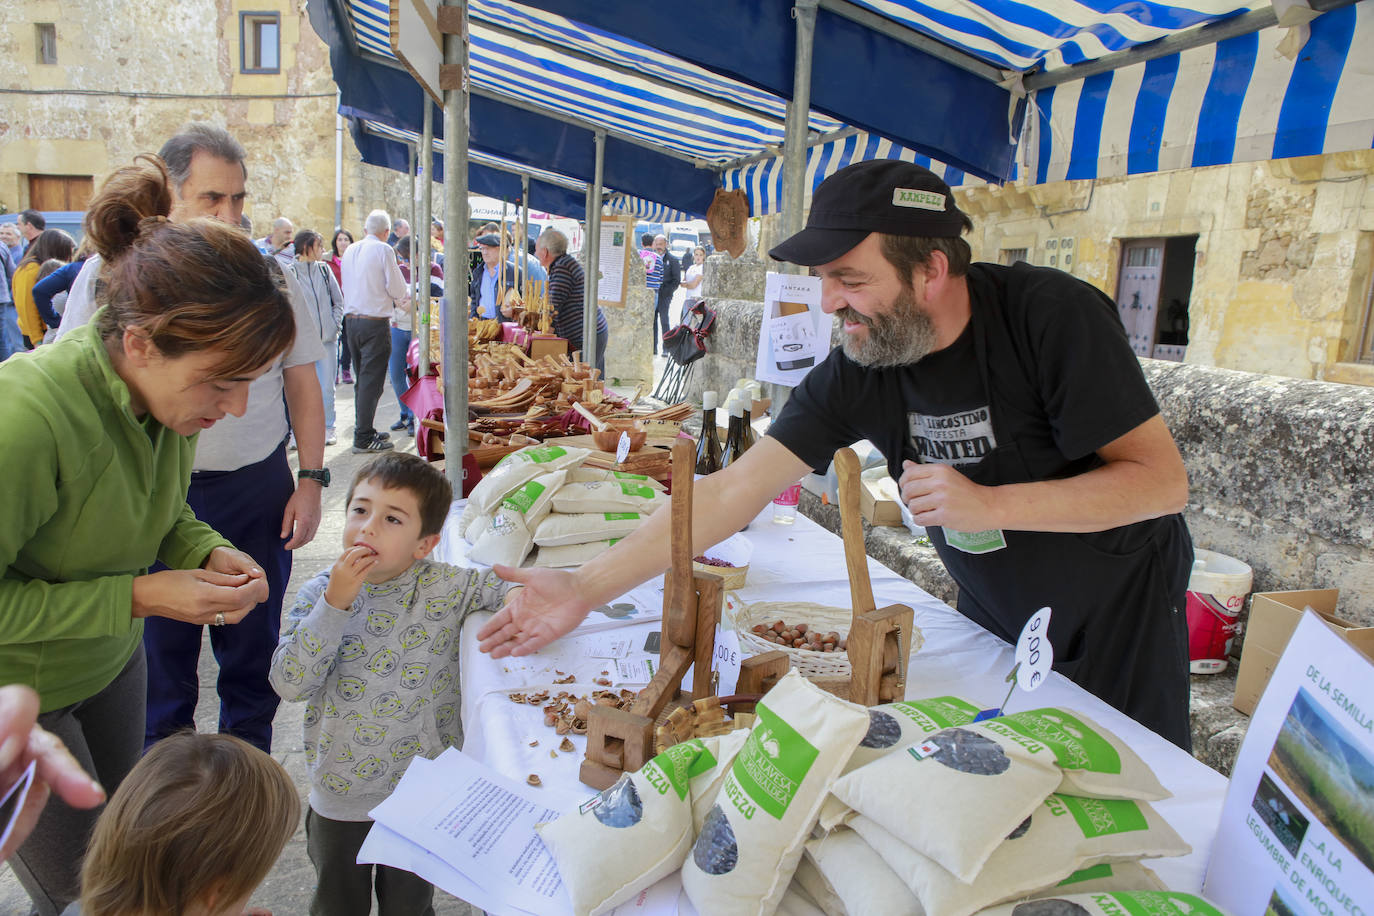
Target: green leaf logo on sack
542	455
622	475
1099	816
1155	903
1076	746
621	516
522	499
772	764
631	489
937	712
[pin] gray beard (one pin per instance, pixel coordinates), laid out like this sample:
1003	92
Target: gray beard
902	336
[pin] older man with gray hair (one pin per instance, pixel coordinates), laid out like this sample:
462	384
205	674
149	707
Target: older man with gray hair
372	286
566	291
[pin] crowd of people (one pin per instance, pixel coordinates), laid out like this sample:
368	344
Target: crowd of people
150	496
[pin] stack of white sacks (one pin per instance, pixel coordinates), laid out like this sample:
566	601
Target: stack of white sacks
541	496
907	808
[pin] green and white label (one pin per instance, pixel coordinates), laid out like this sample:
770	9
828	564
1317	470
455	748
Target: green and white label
675	767
1092	873
633	489
937	712
976	541
621	516
1075	745
773	762
1098	817
522	499
917	199
1155	903
624	475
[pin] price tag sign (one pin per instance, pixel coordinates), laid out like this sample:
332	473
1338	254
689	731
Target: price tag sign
622	449
1034	654
726	660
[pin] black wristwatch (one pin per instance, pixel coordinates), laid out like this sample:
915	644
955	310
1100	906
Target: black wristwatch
321	476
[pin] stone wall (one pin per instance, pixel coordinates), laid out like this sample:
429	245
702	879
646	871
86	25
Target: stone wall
629	361
121	87
1279	469
1284	255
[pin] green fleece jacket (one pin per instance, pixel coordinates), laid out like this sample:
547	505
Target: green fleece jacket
93	495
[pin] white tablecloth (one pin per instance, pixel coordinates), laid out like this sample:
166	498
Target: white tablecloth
804	562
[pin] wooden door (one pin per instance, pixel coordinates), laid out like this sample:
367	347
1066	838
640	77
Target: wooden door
49	193
1137	292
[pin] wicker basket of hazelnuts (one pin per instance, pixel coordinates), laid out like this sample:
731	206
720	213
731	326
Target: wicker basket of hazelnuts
814	636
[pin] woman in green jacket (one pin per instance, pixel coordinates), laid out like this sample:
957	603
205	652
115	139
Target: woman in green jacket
97	437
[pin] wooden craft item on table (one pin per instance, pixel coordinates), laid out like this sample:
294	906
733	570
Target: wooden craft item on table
727	218
880	640
623	740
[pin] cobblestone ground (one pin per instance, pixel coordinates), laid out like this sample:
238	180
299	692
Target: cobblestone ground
287	890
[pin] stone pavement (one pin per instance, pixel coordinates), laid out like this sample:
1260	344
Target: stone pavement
288	887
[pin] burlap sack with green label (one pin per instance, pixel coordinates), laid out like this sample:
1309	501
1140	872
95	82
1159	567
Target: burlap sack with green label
572	554
593	475
608	496
507	538
845	877
629	836
1106	876
748	848
892	727
955	795
1095	761
1064	834
517	468
559	530
706	783
1116	903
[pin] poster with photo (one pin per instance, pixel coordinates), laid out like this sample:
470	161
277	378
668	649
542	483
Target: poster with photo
795	333
1297	828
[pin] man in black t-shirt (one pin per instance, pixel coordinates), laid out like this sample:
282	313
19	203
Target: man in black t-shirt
1011	409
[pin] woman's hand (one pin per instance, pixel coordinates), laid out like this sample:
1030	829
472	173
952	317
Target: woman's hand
347	576
230	584
534	616
23	741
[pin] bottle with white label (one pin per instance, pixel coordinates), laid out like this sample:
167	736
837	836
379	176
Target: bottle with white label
708	445
735	444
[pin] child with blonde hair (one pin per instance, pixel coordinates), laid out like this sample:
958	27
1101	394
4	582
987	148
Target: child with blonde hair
194	828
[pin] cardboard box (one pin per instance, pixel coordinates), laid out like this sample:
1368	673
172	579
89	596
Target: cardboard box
876	508
1273	618
541	347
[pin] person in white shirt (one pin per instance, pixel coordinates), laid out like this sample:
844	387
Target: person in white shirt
372	287
241	483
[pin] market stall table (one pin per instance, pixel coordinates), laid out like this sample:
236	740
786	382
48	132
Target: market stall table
801	562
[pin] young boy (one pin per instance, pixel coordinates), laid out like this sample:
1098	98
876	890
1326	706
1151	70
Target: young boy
372	647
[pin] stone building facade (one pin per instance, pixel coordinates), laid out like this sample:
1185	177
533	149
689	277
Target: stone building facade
125	74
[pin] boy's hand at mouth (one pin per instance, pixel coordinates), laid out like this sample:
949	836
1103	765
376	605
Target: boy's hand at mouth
348	574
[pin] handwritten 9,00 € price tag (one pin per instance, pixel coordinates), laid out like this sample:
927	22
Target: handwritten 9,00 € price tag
726	661
622	448
1034	654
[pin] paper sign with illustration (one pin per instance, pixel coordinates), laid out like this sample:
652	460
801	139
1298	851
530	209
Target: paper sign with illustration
1297	829
795	333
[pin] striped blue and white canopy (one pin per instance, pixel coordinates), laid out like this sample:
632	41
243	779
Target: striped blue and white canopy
938	81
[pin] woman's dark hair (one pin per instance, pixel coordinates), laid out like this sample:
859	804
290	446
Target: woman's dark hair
334	242
52	243
304	239
193	286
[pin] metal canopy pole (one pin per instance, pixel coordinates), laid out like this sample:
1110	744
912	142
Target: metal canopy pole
593	243
455	319
426	253
414	160
525	236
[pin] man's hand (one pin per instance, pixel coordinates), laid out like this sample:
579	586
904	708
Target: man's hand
302	517
22	741
534	616
938	495
347	576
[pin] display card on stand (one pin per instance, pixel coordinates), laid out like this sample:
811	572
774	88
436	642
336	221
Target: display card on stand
1297	828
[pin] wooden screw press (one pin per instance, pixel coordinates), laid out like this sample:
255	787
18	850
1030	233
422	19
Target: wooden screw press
880	640
623	740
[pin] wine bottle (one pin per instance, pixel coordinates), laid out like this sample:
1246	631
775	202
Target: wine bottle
708	445
734	436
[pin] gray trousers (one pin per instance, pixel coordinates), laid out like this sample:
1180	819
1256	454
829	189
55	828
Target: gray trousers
344	888
105	735
369	340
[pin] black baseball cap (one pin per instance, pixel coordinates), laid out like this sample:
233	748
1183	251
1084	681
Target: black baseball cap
879	195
